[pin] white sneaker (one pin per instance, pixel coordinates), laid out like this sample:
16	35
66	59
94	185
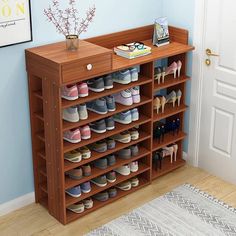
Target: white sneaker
71	114
82	110
123	170
133	166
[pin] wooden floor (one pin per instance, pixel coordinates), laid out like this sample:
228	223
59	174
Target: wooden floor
34	219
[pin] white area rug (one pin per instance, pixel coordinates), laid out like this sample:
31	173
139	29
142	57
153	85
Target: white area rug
184	211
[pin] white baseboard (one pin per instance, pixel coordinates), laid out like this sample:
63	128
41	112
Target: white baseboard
17	203
185	156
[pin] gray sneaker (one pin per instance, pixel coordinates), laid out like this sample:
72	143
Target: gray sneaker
98	106
111	144
71	114
98	126
102	197
96	85
124	153
110	123
135	114
111	160
122	77
101	163
100	146
134	74
100	181
111	105
134	150
83	113
123	117
108	82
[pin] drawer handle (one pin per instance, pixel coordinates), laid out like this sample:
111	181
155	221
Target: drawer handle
89	67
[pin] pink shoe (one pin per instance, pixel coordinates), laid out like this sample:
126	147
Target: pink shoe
179	66
72	136
135	94
172	69
69	92
124	98
85	132
82	90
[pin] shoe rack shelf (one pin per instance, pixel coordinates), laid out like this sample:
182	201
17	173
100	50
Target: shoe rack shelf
50	67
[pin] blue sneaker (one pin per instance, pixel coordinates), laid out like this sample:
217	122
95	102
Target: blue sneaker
111	104
74	192
123	117
98	106
122	77
135	114
86	187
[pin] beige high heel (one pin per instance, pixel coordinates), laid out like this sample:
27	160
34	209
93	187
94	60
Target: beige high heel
178	96
175	147
158	75
159	102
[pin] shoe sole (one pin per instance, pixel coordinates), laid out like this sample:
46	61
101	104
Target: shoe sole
111	181
74	160
110	128
70	98
86	137
133	171
97	90
135	185
125	188
83	118
126	140
123	122
122	82
76	211
83	95
109	87
72	121
99	131
72	141
99	185
130	104
111	110
72	195
87	191
87	156
135	137
98	112
125	174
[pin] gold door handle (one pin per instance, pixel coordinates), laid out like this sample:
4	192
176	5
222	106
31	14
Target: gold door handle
210	54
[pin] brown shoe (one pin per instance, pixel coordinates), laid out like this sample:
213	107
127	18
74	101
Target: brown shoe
86	170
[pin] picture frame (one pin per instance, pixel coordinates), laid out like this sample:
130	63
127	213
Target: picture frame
15	22
161	34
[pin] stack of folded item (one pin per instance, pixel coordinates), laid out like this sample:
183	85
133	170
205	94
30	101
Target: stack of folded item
132	50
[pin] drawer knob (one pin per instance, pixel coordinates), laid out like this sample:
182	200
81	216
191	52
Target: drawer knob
89	67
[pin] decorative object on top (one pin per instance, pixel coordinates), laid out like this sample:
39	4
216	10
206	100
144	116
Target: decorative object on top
161	35
68	22
132	50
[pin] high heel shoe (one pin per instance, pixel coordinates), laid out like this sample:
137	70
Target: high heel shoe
158	74
168	151
160	102
163	74
172	69
175	146
179	66
171	98
178	96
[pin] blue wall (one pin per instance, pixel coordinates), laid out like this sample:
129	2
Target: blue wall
16	177
181	14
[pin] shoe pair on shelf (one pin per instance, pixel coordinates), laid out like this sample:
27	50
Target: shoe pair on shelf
100	84
102	105
161	72
103	145
127	117
78	190
128	97
161	101
75	113
104	196
75	135
101	126
73	92
171	126
80	172
127	169
80	207
127	185
105	162
128	152
77	155
102	181
126	76
126	136
158	156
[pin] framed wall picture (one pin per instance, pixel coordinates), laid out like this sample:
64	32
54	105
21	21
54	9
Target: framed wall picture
15	22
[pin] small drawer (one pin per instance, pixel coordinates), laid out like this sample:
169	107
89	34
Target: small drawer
82	69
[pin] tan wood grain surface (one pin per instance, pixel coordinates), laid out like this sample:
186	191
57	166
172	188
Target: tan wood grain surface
35	220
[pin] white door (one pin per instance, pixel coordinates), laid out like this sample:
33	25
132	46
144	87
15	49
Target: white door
217	147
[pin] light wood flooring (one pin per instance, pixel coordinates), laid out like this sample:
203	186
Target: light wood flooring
34	219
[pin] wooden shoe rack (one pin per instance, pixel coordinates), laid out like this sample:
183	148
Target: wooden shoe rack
50	67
